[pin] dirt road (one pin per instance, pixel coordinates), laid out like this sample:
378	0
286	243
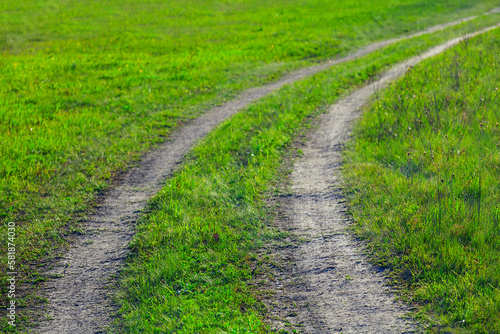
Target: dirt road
78	285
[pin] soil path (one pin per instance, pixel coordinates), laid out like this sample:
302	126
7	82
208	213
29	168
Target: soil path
329	286
78	285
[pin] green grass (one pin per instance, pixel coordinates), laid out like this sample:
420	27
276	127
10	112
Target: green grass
89	87
422	173
98	85
194	253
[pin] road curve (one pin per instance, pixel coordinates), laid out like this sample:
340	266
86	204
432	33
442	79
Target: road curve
78	285
329	286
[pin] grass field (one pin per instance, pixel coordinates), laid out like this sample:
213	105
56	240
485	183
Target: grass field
87	87
423	175
199	237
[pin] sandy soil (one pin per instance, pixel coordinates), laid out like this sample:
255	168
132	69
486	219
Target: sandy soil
78	286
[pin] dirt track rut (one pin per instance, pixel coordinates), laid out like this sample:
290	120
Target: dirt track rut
78	298
329	286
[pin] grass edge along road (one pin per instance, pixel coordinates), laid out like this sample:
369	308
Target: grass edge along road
192	254
422	174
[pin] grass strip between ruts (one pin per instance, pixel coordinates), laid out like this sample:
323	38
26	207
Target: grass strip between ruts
194	247
423	178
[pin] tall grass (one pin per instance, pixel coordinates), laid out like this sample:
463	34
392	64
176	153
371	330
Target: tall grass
423	175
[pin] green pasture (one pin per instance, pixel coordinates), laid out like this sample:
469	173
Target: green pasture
87	87
194	254
423	174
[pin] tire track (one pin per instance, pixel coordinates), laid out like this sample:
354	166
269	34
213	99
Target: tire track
77	287
329	279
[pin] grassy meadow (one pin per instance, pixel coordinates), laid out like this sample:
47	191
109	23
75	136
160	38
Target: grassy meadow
423	175
87	87
198	239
